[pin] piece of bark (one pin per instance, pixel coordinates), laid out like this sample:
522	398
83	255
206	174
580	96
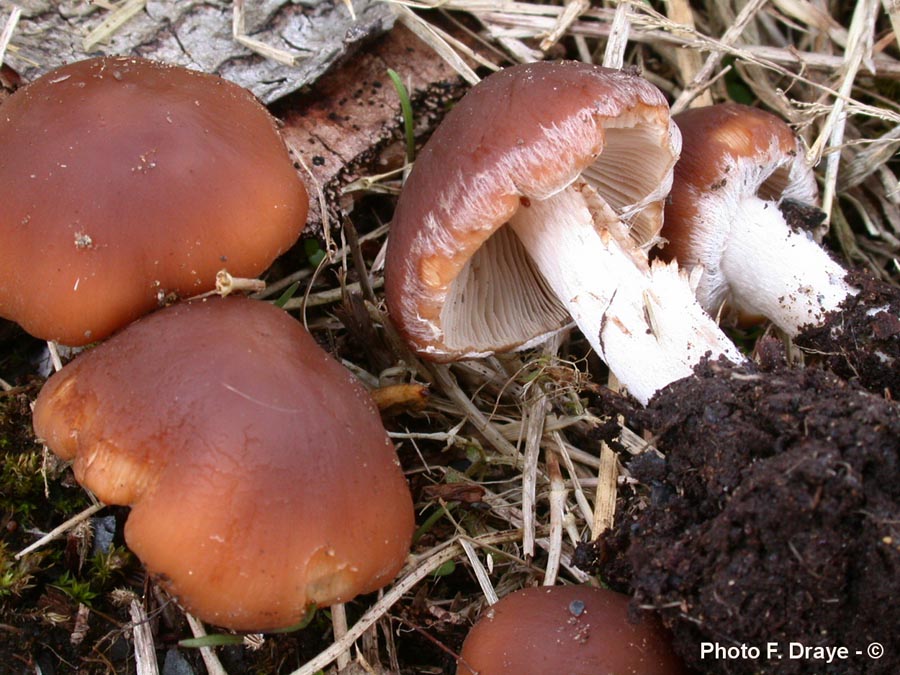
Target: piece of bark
9	82
198	35
340	125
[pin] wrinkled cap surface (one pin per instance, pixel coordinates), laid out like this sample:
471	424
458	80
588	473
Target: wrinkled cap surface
729	152
577	630
259	475
525	133
125	180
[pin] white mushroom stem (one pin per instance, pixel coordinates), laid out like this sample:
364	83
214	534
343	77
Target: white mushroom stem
643	321
777	272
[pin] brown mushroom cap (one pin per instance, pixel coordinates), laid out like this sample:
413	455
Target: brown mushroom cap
733	150
566	629
457	282
126	180
258	472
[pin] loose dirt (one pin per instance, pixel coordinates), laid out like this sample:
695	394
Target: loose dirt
775	518
857	342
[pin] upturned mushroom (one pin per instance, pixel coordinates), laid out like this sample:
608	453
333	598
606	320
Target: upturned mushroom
566	629
125	181
534	202
738	165
731	214
259	476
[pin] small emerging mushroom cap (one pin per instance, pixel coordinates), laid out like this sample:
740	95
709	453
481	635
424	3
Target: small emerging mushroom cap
566	629
259	475
729	152
125	180
457	282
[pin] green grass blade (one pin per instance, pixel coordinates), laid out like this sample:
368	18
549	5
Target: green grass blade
406	109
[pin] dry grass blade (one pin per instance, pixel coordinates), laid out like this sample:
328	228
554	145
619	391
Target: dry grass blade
339	629
239	33
117	18
573	9
60	530
476	417
433	37
689	61
565	455
144	647
534	414
421	568
484	579
53	353
702	79
892	7
208	654
8	29
614	54
859	50
557	514
869	160
513	516
605	499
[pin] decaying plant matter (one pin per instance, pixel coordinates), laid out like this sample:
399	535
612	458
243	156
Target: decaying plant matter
778	498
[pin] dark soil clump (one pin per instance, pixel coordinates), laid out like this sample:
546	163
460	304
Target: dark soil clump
776	519
856	343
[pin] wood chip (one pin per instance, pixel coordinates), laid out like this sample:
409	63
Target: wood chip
339	126
605	499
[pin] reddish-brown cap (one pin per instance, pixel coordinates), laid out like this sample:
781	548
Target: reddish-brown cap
524	133
566	629
258	472
126	180
729	152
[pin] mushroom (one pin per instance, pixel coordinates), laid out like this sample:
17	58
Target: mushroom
259	476
739	166
532	202
566	629
126	181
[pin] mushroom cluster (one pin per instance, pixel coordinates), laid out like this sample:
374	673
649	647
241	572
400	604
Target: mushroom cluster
260	477
535	203
532	205
127	182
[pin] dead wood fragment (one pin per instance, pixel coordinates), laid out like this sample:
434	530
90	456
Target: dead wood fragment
337	127
9	82
198	34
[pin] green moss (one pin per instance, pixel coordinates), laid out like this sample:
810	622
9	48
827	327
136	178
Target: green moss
16	576
31	496
78	589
